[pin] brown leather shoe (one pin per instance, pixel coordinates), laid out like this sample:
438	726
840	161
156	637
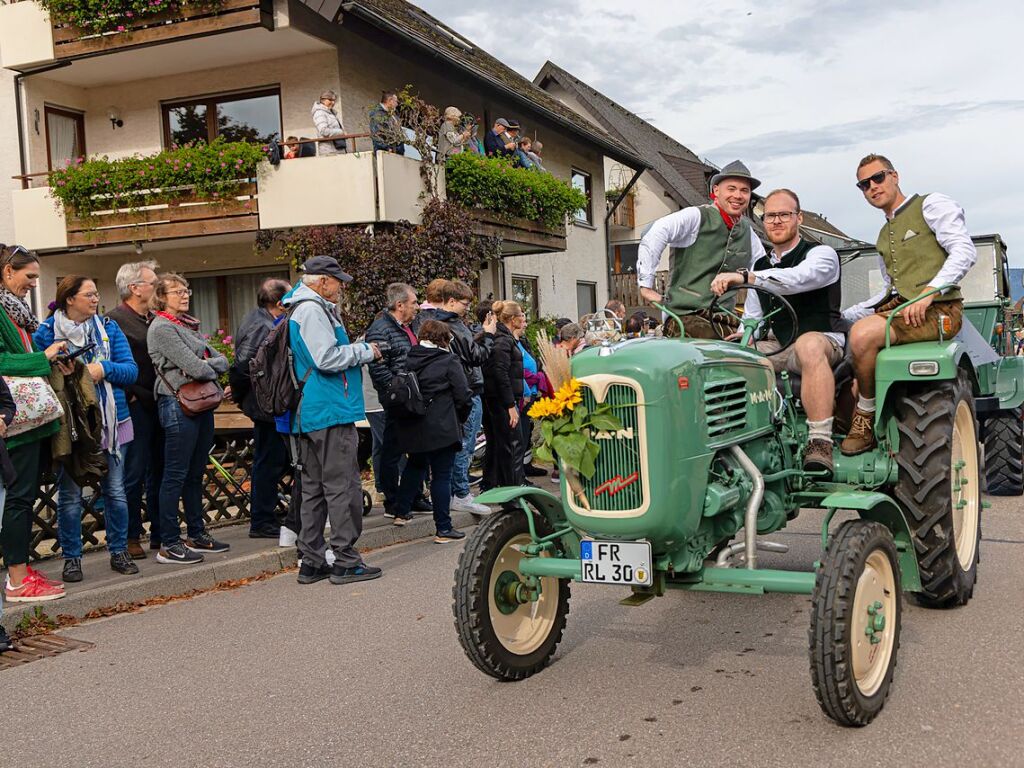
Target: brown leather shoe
135	550
818	456
861	437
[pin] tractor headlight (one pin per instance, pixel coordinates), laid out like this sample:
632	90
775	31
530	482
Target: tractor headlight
924	368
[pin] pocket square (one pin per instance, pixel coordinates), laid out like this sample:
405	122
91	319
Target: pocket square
910	233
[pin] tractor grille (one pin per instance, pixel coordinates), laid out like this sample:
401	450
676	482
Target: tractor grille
618	482
725	407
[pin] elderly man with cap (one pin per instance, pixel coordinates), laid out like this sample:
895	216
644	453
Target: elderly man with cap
705	240
328	365
328	124
497	142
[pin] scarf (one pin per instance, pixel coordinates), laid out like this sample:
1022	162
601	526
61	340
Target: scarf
185	321
78	335
18	310
730	222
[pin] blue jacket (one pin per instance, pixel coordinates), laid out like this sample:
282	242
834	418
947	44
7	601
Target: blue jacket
120	370
333	392
529	366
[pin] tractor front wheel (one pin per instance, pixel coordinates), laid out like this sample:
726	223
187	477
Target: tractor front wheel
1004	453
939	486
507	629
855	623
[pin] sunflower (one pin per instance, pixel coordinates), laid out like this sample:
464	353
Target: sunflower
569	395
545	408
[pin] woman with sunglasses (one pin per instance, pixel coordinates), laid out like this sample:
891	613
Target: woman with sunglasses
19	357
181	354
433	440
74	320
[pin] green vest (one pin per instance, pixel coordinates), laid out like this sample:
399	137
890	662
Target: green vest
912	255
716	249
818	310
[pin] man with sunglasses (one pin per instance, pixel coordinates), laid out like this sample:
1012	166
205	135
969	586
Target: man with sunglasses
923	244
705	240
807	274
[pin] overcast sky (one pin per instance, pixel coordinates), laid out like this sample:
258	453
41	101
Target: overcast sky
801	90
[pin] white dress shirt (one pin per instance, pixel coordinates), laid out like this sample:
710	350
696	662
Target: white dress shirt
819	268
945	218
677	230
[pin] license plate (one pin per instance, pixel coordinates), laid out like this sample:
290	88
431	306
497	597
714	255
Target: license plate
617	562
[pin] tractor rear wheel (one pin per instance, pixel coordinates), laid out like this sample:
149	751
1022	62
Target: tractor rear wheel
1004	453
855	622
503	632
939	486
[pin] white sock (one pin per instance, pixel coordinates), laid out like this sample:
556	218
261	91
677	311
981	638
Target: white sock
866	404
820	430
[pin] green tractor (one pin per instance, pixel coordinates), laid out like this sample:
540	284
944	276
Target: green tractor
711	446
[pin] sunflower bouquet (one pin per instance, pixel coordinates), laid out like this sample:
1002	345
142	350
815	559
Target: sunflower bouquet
567	425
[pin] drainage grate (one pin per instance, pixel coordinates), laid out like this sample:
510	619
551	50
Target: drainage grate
40	647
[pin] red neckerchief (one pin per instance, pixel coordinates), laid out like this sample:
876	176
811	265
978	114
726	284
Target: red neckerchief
730	222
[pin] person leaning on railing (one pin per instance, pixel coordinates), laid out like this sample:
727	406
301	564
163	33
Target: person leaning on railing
328	124
181	355
19	358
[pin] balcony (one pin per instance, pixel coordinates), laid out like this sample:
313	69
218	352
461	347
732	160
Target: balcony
28	38
625	215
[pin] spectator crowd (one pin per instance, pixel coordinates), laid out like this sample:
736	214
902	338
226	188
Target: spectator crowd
123	402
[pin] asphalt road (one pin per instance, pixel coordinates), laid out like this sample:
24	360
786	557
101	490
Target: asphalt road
276	674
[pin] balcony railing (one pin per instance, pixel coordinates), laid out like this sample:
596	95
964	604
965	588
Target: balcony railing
625	289
27	36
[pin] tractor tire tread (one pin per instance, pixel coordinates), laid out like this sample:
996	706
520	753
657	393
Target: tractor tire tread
1004	453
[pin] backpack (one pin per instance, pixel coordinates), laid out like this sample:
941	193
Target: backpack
272	370
404	395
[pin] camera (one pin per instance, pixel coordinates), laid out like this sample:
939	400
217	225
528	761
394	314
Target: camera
385	349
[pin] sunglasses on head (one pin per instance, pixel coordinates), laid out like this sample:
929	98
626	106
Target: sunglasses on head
876	178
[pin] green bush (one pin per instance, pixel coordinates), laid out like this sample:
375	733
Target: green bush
494	184
210	170
114	15
542	323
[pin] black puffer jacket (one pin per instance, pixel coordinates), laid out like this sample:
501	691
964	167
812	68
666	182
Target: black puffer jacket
503	371
443	386
472	352
385	328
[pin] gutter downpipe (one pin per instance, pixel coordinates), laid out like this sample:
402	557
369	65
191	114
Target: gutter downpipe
609	262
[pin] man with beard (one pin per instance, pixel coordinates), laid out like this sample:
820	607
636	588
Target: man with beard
807	274
705	240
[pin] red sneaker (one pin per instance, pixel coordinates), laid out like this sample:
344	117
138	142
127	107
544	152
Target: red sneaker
32	590
37	576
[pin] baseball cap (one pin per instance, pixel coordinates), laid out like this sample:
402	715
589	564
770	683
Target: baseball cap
503	122
326	265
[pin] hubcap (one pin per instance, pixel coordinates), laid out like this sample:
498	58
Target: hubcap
522	627
873	626
964	486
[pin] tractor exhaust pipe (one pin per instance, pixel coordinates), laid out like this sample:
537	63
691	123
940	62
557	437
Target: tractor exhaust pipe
753	506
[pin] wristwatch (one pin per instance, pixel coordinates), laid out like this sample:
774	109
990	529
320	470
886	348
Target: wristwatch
745	274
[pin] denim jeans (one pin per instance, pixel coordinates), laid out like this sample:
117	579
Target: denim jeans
187	443
115	510
143	470
460	474
439	463
270	460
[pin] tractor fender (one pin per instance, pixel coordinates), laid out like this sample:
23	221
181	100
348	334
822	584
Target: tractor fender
545	503
893	369
878	507
1010	382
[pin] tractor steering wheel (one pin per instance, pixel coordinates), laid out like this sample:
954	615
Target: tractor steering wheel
750	325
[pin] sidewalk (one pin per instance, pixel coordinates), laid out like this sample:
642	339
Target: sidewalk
103	588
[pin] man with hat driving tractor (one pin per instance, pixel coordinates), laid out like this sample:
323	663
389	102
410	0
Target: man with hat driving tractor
706	240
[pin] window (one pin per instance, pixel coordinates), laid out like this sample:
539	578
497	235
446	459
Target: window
581	181
65	136
251	117
624	258
221	301
586	299
524	293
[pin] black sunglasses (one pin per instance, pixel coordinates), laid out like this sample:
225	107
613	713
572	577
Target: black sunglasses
864	184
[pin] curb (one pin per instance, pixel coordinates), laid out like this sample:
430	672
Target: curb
179	580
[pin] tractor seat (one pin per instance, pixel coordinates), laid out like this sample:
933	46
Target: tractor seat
842	371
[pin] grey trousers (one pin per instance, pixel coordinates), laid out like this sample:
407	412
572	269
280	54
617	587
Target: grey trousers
331	488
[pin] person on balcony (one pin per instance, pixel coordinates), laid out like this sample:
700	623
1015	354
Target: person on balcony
270	454
497	141
385	128
532	159
328	125
144	455
181	354
20	358
453	136
110	364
